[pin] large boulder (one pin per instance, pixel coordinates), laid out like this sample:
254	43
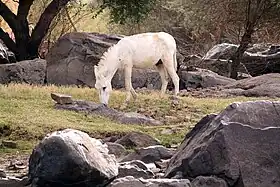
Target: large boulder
137	140
202	78
258	59
72	58
27	71
267	85
240	145
221	51
71	157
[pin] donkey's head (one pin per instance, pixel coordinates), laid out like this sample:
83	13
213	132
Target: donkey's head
103	85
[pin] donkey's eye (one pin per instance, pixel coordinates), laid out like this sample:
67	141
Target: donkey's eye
104	88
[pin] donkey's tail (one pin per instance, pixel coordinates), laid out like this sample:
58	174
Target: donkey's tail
175	61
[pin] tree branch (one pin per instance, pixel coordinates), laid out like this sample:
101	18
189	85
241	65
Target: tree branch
8	41
8	15
45	20
69	18
23	8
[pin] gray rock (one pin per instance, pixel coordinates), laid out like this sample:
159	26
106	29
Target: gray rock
138	163
240	146
72	58
132	182
71	157
260	86
134	117
9	144
102	110
141	78
137	140
204	181
150	154
14	182
135	169
221	51
117	149
202	78
28	71
162	164
258	59
62	98
2	174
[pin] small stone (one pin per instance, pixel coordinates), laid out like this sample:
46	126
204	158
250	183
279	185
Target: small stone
117	149
171	118
9	144
137	140
138	163
2	174
135	171
162	164
14	182
16	165
150	154
140	182
150	87
166	131
61	98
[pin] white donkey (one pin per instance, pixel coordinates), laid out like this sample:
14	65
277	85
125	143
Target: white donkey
144	50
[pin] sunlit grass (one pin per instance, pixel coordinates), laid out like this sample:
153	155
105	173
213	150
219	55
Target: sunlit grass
27	114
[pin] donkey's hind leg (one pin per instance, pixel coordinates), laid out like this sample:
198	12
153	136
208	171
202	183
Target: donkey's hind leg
164	78
133	93
168	64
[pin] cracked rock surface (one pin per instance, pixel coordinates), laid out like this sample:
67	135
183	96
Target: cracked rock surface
240	145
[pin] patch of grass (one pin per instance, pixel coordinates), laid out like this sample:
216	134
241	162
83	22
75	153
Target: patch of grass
27	114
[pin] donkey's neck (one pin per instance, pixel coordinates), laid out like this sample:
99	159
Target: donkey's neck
110	62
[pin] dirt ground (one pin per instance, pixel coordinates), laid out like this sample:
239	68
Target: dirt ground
15	165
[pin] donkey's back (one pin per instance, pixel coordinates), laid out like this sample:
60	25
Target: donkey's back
146	49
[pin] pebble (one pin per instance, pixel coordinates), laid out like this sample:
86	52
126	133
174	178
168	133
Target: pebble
61	98
9	144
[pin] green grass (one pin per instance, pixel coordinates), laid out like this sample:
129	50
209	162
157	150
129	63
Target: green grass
27	114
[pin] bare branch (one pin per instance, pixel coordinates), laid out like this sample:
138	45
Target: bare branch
45	20
23	8
69	17
8	15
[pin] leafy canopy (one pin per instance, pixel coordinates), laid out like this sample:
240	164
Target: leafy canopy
122	11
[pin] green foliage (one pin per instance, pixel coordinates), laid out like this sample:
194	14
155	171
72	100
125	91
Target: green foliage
122	11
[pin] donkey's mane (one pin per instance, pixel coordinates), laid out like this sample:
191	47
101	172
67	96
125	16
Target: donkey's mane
105	56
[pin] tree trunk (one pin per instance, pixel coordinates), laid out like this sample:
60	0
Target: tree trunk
238	55
43	25
254	13
26	46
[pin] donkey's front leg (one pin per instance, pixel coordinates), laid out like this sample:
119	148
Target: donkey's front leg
128	84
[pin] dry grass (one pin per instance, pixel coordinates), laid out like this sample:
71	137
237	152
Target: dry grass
27	114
